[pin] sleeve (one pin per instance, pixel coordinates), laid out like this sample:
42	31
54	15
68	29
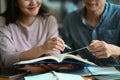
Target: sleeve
7	48
52	31
52	27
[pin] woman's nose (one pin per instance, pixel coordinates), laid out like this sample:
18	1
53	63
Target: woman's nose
33	2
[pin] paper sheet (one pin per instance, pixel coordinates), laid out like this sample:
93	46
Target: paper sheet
52	76
103	71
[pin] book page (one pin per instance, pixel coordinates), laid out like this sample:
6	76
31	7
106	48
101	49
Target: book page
65	76
54	76
45	76
59	58
108	77
103	71
65	56
37	59
81	71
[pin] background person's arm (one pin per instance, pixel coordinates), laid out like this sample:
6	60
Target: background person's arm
102	49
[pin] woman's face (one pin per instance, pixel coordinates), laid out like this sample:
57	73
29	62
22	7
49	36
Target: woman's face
94	5
29	7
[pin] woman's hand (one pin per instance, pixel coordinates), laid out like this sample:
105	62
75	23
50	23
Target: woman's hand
55	44
102	49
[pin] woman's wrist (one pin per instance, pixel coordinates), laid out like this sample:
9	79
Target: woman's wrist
40	50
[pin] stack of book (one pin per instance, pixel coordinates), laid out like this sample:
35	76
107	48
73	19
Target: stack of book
12	73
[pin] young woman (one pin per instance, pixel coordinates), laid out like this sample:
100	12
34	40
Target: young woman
28	32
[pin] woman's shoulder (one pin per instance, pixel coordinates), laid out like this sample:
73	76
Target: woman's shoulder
3	26
47	18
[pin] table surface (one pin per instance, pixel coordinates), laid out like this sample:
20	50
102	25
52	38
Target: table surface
85	78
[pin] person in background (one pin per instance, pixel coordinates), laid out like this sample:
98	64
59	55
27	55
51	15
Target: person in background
97	27
27	31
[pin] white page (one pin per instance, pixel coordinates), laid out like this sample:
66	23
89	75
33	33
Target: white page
103	71
64	76
55	76
45	76
108	77
81	71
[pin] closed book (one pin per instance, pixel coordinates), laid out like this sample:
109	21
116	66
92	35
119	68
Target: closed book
10	73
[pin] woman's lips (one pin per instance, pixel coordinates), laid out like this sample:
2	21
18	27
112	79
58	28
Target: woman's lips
33	7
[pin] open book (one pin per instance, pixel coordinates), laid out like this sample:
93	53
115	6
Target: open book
101	73
54	76
63	58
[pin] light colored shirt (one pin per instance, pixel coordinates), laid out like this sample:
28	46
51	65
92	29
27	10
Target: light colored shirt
17	38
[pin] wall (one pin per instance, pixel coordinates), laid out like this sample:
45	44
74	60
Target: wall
2	6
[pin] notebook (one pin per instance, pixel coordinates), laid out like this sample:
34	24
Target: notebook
54	76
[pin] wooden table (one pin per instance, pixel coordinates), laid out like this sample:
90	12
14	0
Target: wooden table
22	76
88	77
85	78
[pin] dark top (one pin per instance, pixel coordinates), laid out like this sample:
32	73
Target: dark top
77	33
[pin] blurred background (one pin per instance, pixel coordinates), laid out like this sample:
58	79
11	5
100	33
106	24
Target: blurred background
59	8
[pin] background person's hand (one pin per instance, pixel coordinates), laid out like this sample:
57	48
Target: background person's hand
40	68
68	66
52	45
102	49
49	67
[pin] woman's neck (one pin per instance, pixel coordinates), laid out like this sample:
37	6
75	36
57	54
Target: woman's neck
27	20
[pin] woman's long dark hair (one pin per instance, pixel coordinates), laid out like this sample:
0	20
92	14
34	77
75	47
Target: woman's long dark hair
13	12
